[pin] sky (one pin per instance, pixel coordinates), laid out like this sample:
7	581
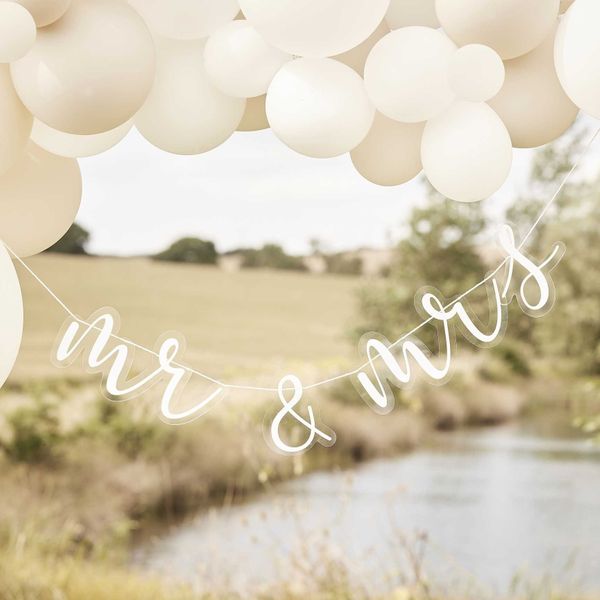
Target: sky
253	189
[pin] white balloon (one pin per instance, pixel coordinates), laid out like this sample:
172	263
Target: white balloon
45	12
186	19
17	31
11	314
239	61
315	28
76	146
391	152
476	73
510	27
466	152
403	13
185	113
357	57
576	53
255	116
406	74
532	103
319	107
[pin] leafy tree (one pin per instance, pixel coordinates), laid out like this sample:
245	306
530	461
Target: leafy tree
73	242
271	256
190	250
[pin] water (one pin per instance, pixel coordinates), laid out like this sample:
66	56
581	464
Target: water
491	502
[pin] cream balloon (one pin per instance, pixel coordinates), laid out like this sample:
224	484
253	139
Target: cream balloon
185	113
239	61
186	19
315	28
255	116
357	57
90	71
39	199
391	152
77	146
45	12
406	74
319	107
476	73
510	27
532	103
403	13
11	314
15	122
576	52
17	31
466	152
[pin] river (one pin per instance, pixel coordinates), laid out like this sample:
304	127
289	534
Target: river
482	504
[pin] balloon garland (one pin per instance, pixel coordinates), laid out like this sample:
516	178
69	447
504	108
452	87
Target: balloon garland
400	85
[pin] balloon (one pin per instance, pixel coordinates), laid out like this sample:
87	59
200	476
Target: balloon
186	19
239	61
403	13
11	314
255	116
576	53
77	146
39	198
564	5
15	122
406	74
391	152
90	71
319	107
315	28
510	27
466	152
532	103
357	57
17	31
45	12
185	113
476	73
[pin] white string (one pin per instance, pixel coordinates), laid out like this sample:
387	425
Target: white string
232	386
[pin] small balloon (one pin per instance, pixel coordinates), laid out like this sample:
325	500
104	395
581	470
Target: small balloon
403	13
357	57
406	74
319	107
511	27
255	115
466	152
314	28
39	199
45	12
17	31
391	152
476	73
15	122
185	113
90	71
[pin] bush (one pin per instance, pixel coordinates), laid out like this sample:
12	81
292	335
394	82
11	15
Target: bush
271	256
190	250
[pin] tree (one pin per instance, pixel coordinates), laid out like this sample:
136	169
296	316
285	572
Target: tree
190	250
73	242
271	256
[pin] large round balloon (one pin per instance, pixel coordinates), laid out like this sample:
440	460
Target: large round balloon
466	152
391	152
239	61
476	73
39	199
403	13
255	115
357	57
45	12
90	71
11	314
319	107
15	122
17	31
532	103
510	27
315	28
406	74
576	53
186	19
185	113
77	146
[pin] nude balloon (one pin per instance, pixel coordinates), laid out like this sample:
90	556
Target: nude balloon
17	31
357	57
15	122
511	27
185	112
532	103
255	115
403	13
90	71
45	12
391	152
39	199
